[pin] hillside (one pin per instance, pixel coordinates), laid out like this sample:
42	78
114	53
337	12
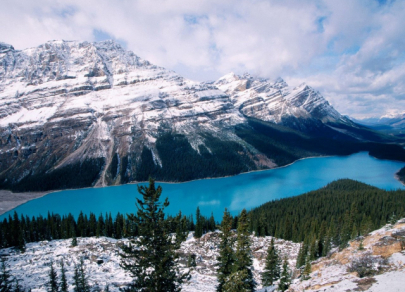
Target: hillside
328	274
341	210
80	114
378	266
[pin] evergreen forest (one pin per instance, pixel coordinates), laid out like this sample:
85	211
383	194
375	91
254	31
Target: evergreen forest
330	216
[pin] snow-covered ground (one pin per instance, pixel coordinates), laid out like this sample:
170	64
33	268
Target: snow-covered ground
386	249
102	260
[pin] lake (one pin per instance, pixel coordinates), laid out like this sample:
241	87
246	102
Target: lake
246	190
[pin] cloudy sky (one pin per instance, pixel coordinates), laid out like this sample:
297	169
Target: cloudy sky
352	51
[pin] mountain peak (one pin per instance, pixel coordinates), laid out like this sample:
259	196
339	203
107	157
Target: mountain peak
5	47
231	76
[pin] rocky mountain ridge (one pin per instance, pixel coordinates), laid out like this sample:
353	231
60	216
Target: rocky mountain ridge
101	113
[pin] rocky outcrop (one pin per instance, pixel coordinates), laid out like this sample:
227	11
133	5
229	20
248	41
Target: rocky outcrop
378	266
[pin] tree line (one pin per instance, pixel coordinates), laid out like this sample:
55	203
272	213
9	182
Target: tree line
17	230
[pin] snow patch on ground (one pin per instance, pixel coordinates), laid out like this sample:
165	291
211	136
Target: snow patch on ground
102	261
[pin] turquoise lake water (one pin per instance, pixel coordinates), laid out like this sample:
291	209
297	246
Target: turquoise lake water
235	193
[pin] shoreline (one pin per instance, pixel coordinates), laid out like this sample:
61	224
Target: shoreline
398	179
10	200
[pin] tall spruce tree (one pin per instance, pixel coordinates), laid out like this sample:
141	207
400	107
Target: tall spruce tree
199	224
236	282
53	280
243	253
307	270
63	280
81	282
5	278
152	260
181	229
302	254
212	222
226	258
17	286
271	271
285	279
347	228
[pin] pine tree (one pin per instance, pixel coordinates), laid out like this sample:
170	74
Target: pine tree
212	222
243	253
393	219
236	282
5	281
191	261
81	283
307	270
302	254
285	279
21	242
198	226
313	249
226	256
355	233
261	227
334	232
74	241
53	280
181	229
100	226
361	246
151	259
347	228
63	280
17	286
321	240
327	244
271	271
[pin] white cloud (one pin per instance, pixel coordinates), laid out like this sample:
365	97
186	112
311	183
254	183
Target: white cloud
352	51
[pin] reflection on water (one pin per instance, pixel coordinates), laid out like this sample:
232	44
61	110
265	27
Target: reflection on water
235	193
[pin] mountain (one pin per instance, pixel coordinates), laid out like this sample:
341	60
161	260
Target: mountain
79	114
275	101
392	124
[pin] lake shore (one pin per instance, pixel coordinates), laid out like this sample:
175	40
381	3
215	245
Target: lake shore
10	200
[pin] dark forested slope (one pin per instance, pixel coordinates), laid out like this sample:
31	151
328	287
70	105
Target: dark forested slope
332	215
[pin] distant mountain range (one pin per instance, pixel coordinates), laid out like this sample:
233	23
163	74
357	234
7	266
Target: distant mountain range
79	114
394	124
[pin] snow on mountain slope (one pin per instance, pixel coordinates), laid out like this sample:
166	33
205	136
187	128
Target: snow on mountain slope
274	101
65	104
97	99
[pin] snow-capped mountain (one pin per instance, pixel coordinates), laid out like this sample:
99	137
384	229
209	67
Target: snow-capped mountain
389	121
275	101
98	112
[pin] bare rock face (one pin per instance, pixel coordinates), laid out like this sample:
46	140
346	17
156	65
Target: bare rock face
275	101
77	114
